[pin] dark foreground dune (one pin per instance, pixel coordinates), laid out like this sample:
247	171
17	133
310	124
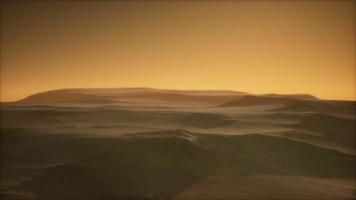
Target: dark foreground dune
157	165
151	144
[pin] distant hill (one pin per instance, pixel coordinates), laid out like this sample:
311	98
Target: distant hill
219	98
109	95
254	100
291	103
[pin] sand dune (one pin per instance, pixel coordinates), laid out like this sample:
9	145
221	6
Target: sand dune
268	187
146	166
143	143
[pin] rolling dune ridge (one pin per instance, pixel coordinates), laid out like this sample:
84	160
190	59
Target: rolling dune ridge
142	143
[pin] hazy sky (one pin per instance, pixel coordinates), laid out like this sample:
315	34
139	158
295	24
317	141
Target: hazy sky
251	46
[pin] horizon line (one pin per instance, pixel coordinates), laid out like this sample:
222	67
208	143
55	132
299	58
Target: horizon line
174	89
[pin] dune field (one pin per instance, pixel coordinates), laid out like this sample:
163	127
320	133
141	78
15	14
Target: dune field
144	143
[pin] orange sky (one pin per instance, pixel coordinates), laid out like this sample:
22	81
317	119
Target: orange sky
251	46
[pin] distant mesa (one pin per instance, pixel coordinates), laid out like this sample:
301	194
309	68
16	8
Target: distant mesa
65	96
254	100
293	96
219	98
113	95
287	102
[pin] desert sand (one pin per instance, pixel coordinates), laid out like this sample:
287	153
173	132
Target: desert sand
144	143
